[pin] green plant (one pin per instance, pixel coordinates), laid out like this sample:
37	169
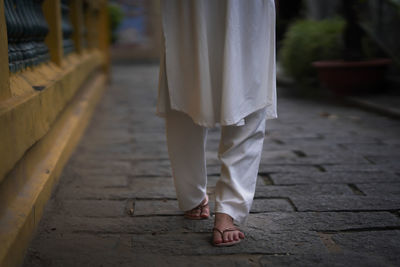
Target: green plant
116	15
307	41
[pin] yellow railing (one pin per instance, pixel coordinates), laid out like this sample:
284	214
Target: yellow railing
19	128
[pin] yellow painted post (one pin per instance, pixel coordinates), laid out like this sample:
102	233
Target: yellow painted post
5	91
88	25
77	21
54	40
104	35
92	25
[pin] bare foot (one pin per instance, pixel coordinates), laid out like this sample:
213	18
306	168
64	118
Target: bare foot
222	222
202	211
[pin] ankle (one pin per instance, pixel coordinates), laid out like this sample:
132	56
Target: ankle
223	217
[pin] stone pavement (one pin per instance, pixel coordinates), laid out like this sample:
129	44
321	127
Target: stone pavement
328	191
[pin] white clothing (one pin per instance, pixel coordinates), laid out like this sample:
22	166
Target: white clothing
239	152
218	60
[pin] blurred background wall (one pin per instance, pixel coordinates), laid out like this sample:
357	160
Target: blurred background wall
137	37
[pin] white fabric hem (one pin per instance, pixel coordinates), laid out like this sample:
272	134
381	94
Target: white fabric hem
271	114
238	216
189	203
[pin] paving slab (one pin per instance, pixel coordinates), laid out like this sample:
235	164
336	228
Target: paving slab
322	158
302	190
342	177
94	208
380	243
170	207
345	202
294	168
323	221
324	260
277	221
380	189
351	168
200	244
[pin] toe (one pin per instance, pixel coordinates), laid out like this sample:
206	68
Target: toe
195	212
230	237
226	238
205	212
241	235
218	241
217	238
236	236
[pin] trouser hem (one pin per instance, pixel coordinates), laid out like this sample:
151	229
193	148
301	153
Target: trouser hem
239	217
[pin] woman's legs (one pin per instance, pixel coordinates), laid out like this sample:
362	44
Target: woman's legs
186	148
240	153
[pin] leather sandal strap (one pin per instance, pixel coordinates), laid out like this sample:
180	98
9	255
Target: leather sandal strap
230	229
219	231
199	207
205	203
226	230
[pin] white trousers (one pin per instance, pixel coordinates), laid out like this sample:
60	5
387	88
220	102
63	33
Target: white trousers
239	151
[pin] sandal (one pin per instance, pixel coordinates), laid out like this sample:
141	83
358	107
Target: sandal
189	214
224	244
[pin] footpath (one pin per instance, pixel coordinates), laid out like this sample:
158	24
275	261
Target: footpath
328	192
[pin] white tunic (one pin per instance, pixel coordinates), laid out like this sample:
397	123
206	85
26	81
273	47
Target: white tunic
218	60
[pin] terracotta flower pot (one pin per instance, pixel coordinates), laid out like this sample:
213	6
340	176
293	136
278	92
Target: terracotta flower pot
352	77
